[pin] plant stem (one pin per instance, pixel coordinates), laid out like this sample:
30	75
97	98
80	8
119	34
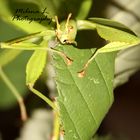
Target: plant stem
16	94
56	129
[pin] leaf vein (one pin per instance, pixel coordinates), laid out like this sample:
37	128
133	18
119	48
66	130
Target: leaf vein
71	121
84	99
104	81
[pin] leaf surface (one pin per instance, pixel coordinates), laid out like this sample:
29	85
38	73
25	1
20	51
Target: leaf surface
35	66
83	102
6	56
15	70
113	31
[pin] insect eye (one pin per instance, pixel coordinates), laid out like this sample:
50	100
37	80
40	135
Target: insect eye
64	41
70	28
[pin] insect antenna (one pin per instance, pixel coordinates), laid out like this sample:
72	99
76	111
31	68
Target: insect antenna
68	19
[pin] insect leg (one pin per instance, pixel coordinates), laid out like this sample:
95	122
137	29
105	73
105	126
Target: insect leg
68	60
27	37
43	97
32	46
82	72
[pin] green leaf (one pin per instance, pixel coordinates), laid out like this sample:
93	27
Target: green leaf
79	7
61	8
83	102
114	46
85	25
35	66
7	8
21	46
51	6
7	56
84	9
15	71
113	31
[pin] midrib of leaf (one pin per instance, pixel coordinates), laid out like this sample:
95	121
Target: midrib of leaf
84	101
103	77
80	93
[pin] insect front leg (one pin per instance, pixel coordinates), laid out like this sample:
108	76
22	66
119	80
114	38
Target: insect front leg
32	46
66	58
81	73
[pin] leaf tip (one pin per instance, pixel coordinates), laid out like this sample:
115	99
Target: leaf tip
29	85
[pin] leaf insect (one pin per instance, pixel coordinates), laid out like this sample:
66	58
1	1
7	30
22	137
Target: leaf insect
39	42
66	31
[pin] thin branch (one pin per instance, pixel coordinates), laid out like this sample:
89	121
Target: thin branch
56	130
16	94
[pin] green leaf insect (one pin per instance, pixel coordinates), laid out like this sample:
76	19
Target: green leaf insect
66	31
118	36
